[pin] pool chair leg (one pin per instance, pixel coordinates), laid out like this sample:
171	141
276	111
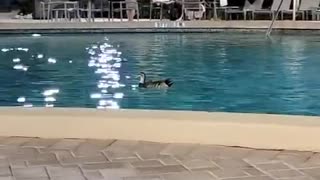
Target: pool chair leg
50	14
56	15
312	16
77	14
138	13
161	11
121	15
150	10
42	14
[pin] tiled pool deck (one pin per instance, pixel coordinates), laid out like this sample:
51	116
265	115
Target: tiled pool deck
87	159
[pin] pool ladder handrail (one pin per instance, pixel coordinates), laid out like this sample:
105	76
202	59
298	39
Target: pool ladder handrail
274	18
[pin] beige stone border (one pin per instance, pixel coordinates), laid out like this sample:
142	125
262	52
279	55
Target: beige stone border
18	25
231	129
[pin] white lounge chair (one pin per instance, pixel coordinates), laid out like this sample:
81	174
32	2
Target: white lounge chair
285	6
308	6
193	9
248	7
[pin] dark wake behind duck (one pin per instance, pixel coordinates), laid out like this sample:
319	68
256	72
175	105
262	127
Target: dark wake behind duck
160	84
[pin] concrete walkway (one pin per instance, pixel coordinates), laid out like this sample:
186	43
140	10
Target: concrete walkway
81	159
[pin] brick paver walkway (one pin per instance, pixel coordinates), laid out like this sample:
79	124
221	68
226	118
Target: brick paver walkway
80	159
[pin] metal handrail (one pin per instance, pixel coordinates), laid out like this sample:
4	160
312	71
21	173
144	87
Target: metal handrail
274	18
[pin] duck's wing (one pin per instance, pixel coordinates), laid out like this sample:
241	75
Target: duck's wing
159	84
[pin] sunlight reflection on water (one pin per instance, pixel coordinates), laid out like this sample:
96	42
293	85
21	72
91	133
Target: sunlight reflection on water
106	61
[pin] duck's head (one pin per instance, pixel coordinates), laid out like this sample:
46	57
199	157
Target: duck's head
142	77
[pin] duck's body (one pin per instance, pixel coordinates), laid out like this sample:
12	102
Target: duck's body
160	84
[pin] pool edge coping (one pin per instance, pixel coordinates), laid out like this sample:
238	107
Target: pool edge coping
153	30
21	27
260	131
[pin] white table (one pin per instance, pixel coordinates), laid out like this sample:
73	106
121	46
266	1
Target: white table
65	7
90	5
122	7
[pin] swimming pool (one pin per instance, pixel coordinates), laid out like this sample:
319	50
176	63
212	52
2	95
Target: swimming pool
230	72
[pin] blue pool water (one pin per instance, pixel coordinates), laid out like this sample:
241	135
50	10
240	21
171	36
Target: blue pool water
211	72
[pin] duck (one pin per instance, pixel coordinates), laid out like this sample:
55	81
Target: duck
160	84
